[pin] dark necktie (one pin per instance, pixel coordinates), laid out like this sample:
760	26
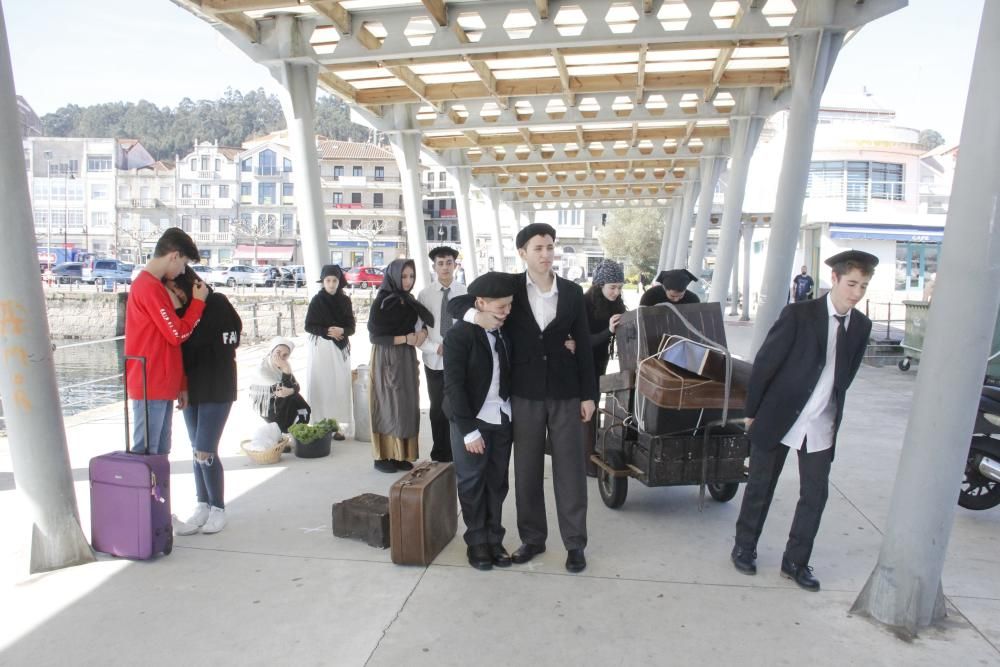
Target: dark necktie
841	354
445	321
501	349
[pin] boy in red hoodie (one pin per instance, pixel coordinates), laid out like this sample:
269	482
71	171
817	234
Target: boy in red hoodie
154	331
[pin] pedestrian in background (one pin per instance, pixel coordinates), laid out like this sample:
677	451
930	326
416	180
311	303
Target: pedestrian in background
802	286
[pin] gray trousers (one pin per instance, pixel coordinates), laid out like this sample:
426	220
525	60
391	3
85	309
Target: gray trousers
560	420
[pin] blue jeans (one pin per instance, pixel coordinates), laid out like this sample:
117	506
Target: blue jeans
160	426
205	422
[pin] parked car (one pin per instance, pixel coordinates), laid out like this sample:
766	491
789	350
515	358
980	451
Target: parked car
204	271
66	273
293	275
104	270
364	276
233	275
269	275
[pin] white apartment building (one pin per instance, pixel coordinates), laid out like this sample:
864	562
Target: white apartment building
206	191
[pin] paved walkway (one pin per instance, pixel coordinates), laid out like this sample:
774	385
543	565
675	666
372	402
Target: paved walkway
277	588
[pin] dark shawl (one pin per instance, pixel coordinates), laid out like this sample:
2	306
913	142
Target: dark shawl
395	311
331	310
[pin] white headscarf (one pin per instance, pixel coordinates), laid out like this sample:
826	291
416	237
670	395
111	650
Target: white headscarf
267	376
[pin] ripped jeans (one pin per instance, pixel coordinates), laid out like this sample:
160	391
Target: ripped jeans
205	423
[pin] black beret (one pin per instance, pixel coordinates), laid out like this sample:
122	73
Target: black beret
676	280
442	251
331	270
533	230
492	285
858	256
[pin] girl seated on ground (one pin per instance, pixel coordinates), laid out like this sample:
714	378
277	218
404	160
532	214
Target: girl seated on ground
274	392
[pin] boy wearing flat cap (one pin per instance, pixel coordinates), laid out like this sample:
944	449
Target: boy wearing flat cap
672	287
795	400
477	401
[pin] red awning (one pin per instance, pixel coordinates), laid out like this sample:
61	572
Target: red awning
279	253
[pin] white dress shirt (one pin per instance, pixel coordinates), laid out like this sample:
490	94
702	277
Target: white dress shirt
543	304
430	297
493	405
815	422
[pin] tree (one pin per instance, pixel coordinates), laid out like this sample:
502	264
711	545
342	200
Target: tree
254	230
368	231
634	236
930	139
132	232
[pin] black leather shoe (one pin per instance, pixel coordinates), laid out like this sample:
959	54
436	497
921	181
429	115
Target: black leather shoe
745	560
403	465
800	574
500	556
385	465
575	561
480	556
526	552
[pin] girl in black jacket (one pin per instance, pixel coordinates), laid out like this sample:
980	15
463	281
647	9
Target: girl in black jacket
330	323
210	370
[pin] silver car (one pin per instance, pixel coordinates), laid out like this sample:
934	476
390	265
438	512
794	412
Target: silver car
234	275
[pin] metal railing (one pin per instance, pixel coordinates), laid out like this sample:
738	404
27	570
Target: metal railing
888	323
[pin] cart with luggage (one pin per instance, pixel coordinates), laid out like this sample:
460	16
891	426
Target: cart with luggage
672	415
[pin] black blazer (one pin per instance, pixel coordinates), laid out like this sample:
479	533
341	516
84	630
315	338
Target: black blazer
788	366
541	366
468	373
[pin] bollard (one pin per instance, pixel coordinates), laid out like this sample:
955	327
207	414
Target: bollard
291	318
253	315
279	324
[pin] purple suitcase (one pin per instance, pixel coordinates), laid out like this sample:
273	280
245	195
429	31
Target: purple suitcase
130	498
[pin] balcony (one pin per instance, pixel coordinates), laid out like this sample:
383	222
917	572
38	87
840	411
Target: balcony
269	172
207	174
212	237
139	203
351	205
387	182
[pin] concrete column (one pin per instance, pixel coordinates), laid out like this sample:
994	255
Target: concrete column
904	591
298	102
460	177
812	56
494	199
711	168
675	232
747	245
734	293
406	148
685	224
661	265
36	436
744	131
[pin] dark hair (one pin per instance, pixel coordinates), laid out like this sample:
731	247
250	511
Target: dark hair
843	268
602	307
533	230
176	239
185	282
442	251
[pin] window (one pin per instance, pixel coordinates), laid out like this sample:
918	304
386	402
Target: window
123	192
265	193
430	178
857	186
287	189
355	197
287	226
98	163
336	224
887	181
223	192
99	192
166	193
286	165
379	173
338	198
355	224
267	163
377	200
194	164
218	164
144	192
916	263
246	165
99	219
244	189
443	178
357	171
431	234
205	191
186	223
204	163
205	224
338	171
223	224
454	233
186	190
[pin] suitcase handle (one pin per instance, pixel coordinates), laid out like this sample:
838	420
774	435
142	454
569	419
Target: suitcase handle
417	473
145	402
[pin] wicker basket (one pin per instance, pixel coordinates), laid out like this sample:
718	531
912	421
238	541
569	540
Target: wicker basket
267	456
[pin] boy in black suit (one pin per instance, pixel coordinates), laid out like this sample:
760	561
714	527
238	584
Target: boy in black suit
477	401
795	400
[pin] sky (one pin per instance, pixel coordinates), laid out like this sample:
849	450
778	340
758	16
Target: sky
916	61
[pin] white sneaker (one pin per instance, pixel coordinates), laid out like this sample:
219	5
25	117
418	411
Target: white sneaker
216	521
182	528
200	515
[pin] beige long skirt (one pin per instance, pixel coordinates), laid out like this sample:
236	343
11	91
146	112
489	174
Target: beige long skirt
394	402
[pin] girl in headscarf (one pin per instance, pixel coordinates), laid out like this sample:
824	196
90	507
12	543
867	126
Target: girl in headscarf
396	326
330	323
604	305
274	392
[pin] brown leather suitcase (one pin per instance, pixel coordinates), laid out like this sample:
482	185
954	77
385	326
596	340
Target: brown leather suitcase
668	386
423	513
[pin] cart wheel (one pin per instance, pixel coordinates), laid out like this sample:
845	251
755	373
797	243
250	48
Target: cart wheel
613	489
169	546
723	492
904	364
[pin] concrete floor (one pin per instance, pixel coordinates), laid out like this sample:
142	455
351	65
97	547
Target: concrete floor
277	588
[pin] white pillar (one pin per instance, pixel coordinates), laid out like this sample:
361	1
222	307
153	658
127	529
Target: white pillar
298	102
747	244
406	148
734	292
460	178
711	168
36	436
675	232
744	133
905	590
685	224
661	265
494	199
812	56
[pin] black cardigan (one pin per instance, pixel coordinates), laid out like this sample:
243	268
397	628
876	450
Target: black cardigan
210	353
325	311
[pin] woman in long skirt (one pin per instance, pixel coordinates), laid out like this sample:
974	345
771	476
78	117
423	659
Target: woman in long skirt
396	326
330	323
